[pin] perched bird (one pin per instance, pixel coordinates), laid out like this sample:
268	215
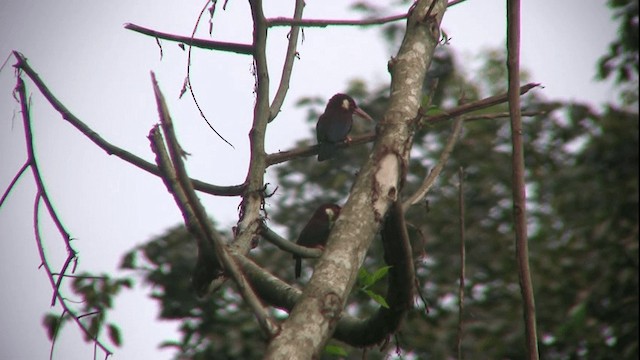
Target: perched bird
316	232
335	123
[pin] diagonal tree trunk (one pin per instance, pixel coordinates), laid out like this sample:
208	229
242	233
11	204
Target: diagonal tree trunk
313	319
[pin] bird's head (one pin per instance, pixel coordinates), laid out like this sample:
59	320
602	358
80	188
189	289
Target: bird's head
345	103
329	212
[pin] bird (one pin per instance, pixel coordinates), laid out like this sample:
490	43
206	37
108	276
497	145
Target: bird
335	123
316	232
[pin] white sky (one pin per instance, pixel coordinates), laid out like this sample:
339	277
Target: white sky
100	71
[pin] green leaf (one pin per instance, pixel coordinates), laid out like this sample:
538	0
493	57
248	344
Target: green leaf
377	298
114	335
129	261
52	323
367	279
379	274
335	350
364	278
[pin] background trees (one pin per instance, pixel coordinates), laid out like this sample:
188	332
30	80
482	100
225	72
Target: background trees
480	141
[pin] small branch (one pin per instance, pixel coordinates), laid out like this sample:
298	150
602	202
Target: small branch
463	260
518	178
435	172
289	246
287	68
190	86
26	120
199	43
13	182
475	105
42	195
110	149
252	205
455	2
54	285
281	21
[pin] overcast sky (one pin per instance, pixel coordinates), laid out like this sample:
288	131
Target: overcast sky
100	71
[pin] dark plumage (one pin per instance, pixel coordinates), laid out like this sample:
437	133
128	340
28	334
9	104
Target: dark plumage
316	232
335	123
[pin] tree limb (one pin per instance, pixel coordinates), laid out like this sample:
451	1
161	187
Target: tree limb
42	195
109	148
435	172
281	21
199	43
287	68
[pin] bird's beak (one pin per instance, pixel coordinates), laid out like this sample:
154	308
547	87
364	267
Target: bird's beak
363	114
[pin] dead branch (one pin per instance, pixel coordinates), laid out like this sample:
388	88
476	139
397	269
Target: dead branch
435	172
42	195
199	43
109	148
281	21
287	68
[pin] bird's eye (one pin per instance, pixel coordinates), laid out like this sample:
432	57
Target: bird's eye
345	104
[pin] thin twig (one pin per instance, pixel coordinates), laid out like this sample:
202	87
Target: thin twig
289	60
475	105
57	294
428	182
518	178
26	118
189	40
193	95
461	210
281	21
13	182
455	2
109	148
42	195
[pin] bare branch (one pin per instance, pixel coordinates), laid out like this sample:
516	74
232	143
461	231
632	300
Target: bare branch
190	86
287	68
475	105
26	119
54	285
189	40
281	21
435	172
109	148
13	182
289	246
518	178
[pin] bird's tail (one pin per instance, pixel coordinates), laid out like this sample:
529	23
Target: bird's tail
298	266
326	151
